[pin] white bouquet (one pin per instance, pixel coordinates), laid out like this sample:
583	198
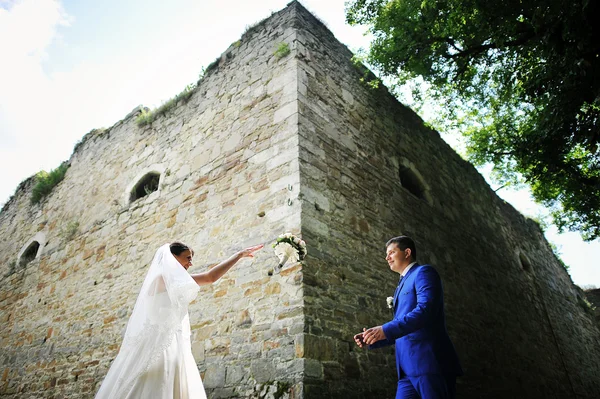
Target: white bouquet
288	246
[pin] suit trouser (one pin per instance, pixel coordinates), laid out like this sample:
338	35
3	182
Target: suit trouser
430	386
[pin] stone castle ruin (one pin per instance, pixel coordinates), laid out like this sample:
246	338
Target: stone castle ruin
282	135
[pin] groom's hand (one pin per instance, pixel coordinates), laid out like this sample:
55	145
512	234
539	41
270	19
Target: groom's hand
373	335
358	338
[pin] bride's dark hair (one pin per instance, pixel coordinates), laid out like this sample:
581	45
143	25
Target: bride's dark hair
178	247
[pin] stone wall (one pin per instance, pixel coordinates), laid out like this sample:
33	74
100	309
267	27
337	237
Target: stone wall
371	170
229	165
270	143
593	302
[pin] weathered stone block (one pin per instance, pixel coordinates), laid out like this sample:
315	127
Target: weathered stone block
313	368
234	375
214	376
263	370
285	112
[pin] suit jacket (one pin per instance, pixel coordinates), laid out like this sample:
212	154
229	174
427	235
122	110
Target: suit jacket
419	326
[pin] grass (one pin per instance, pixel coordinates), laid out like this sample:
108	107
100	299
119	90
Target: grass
282	50
147	185
212	66
201	76
251	28
70	230
265	390
147	117
283	387
557	254
152	185
45	182
586	305
367	78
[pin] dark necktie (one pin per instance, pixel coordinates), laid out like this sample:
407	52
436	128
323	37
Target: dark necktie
398	287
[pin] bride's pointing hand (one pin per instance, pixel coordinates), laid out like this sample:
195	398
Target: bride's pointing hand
249	252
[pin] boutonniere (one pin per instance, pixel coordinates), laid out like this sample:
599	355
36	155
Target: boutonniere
390	301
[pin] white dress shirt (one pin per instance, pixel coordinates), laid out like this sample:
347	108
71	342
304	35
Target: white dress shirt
407	269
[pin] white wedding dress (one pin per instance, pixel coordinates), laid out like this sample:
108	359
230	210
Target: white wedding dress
155	360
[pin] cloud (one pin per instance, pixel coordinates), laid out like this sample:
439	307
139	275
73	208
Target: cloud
43	114
28	29
30	26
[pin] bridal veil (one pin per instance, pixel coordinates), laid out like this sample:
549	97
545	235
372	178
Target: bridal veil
155	356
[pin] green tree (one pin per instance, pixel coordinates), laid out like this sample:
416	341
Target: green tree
520	79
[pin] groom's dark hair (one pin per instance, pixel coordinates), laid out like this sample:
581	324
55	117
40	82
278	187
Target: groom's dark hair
404	242
178	247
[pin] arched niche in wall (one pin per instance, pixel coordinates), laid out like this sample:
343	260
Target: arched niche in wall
32	249
413	181
145	183
525	262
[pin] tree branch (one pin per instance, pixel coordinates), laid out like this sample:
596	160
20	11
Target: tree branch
501	187
484	47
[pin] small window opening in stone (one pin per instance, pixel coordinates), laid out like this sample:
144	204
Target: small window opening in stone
411	182
147	185
525	263
30	253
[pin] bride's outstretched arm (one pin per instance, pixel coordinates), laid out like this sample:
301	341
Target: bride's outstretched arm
219	270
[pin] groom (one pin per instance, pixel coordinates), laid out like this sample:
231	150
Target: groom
426	361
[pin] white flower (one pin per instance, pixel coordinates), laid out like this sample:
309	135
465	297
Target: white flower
390	301
288	246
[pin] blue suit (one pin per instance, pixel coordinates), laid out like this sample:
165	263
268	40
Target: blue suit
423	347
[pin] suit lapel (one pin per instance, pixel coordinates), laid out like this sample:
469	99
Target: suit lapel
412	269
396	295
401	284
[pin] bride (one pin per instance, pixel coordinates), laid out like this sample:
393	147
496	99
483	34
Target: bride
155	359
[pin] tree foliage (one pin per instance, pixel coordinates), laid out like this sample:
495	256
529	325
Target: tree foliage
519	78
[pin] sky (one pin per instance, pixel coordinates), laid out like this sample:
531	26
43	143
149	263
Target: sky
71	66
